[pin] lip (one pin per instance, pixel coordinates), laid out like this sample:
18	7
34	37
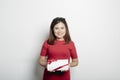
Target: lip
60	34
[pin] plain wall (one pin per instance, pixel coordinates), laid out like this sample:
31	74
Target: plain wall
94	27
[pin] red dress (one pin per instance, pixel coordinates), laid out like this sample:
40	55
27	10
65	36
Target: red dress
59	50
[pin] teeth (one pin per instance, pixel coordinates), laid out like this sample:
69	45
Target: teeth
60	34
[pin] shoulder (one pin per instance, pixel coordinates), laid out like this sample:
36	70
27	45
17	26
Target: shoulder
45	43
71	45
71	42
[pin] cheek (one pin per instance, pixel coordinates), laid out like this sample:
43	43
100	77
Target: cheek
55	31
64	30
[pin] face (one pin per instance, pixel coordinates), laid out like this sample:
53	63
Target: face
59	30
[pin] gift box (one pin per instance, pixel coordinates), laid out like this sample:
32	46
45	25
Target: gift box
58	65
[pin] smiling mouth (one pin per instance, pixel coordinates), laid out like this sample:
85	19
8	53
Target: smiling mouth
60	34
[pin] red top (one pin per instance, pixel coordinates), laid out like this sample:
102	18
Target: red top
59	50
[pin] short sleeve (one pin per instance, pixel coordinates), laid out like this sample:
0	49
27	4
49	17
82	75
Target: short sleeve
73	52
43	51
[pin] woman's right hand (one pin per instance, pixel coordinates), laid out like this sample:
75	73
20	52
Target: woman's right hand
43	61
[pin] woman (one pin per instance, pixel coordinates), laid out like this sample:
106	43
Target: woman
58	46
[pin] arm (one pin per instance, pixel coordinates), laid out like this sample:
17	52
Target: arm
73	54
43	61
74	62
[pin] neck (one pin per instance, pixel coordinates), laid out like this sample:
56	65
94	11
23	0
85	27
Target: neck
60	39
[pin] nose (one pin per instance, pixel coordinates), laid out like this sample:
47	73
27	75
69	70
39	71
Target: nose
59	30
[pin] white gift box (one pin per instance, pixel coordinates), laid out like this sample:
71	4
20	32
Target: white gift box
58	65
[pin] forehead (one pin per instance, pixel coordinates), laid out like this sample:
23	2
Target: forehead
60	24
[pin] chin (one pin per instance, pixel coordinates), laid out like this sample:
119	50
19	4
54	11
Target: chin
60	37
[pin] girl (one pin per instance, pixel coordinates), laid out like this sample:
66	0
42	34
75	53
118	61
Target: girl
58	46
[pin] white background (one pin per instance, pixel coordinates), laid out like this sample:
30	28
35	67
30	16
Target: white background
94	27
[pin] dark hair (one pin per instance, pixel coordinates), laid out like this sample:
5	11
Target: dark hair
52	36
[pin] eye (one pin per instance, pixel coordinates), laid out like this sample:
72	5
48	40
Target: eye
56	28
62	27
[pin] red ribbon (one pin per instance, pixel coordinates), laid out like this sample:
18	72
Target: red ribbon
51	60
60	67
